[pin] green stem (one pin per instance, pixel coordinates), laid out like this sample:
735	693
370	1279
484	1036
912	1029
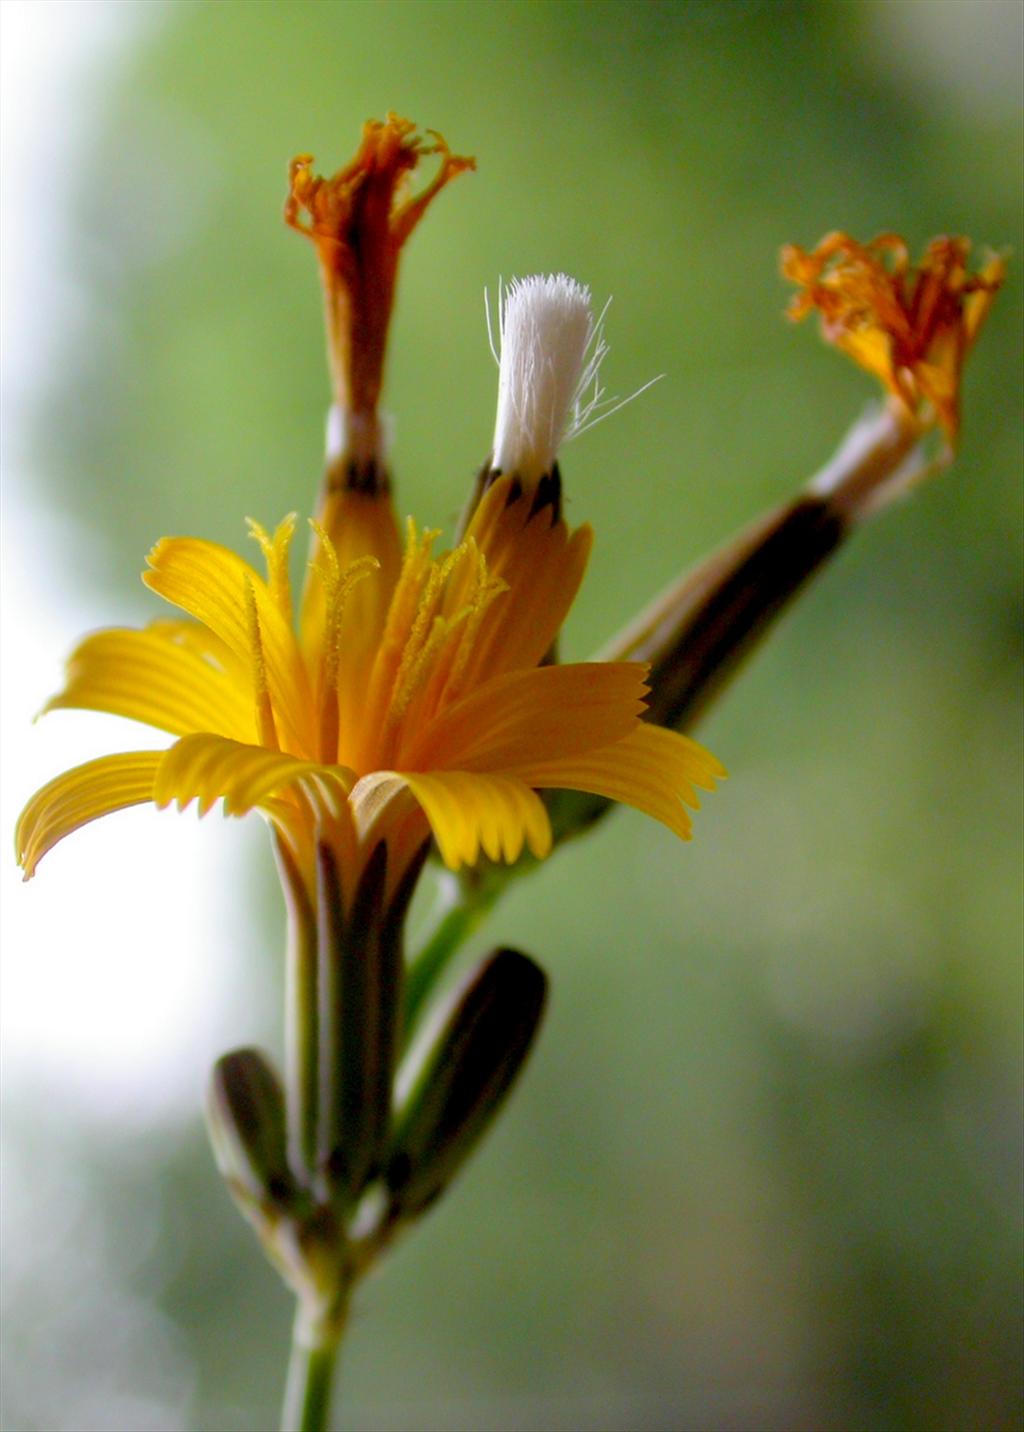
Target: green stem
459	913
302	1033
311	1369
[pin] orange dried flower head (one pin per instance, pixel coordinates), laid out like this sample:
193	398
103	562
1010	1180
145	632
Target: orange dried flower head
912	326
359	220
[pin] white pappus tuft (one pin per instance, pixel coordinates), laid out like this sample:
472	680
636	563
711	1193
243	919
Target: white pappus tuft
551	350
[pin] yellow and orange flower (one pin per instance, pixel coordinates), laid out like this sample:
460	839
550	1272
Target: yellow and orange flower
912	326
409	698
424	711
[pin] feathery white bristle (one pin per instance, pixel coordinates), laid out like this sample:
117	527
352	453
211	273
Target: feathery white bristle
550	352
545	327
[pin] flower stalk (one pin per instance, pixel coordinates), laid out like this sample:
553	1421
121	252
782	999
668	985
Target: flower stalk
312	1367
331	1171
461	907
302	1017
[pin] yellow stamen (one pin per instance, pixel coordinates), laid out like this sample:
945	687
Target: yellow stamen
403	614
275	551
425	637
412	677
337	584
265	723
480	591
490	589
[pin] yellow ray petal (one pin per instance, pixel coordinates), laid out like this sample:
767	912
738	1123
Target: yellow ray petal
79	796
148	677
201	642
541	563
546	713
210	583
470	813
210	768
652	769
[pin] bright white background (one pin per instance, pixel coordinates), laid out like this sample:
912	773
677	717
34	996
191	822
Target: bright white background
114	978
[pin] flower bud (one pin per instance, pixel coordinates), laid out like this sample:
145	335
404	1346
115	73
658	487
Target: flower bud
458	1073
246	1118
360	1003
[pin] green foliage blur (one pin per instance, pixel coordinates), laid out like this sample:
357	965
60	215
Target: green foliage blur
764	1169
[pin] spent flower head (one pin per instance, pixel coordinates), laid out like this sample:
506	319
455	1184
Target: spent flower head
359	220
911	325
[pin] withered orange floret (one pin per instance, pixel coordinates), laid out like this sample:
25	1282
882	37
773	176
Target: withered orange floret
910	325
359	219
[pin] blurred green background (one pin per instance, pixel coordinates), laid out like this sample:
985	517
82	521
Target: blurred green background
764	1169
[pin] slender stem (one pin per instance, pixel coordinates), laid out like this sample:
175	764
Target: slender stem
302	1035
311	1369
458	914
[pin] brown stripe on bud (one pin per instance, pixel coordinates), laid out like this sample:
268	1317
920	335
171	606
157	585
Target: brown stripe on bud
245	1112
458	1074
716	616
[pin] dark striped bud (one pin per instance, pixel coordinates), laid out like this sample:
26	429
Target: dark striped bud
360	1008
458	1073
246	1118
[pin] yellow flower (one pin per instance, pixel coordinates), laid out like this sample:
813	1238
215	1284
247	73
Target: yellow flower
423	711
911	326
415	694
